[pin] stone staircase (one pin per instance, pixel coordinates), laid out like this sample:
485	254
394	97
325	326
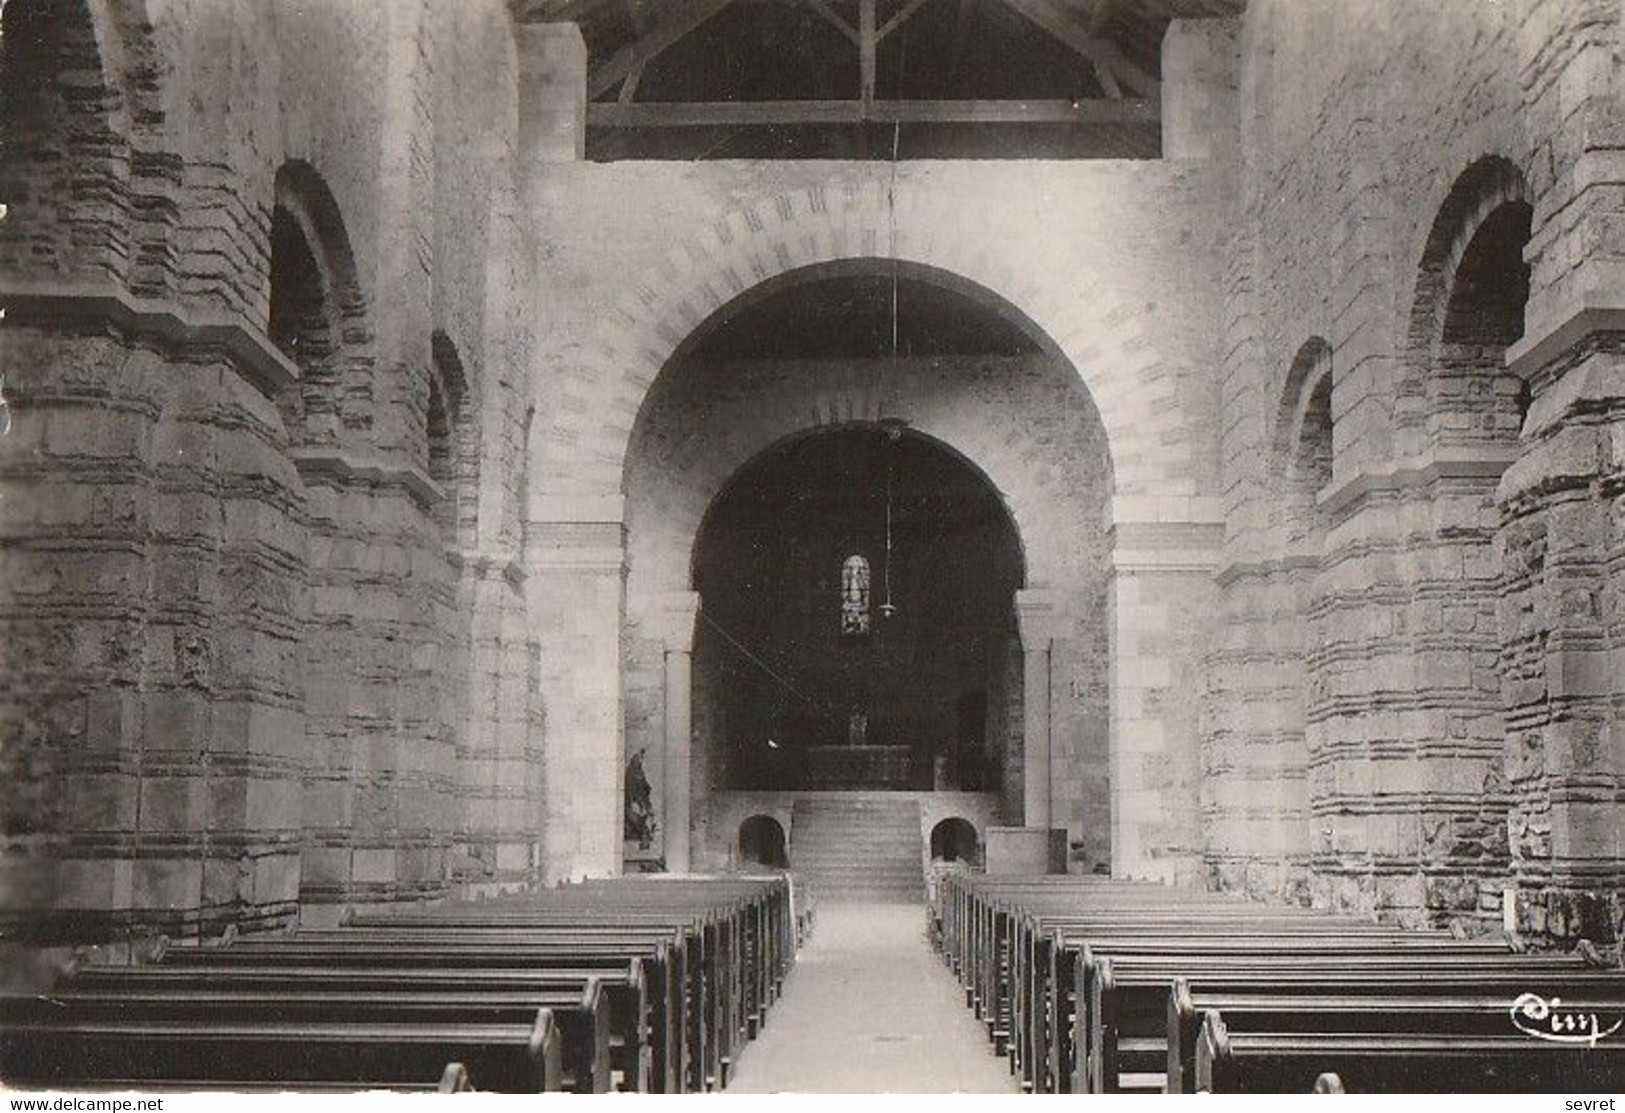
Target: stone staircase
858	848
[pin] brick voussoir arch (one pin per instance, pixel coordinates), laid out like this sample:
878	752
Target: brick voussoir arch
676	532
1482	187
761	244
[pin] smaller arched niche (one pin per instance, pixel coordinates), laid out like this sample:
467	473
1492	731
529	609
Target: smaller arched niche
1472	289
1303	442
954	840
762	843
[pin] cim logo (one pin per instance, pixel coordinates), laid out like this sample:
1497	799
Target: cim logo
1551	1020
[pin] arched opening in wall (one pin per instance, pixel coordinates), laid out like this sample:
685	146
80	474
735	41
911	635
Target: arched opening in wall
64	165
955	840
755	495
378	815
761	843
453	454
1476	399
856	588
316	313
302	325
1303	453
1472	291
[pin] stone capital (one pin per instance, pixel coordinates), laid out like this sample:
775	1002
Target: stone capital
1039	618
1566	329
1486	462
564	507
248	349
581	547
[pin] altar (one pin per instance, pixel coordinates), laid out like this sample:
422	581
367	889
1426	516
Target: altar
878	767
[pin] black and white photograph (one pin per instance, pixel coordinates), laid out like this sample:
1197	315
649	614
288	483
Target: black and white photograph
795	547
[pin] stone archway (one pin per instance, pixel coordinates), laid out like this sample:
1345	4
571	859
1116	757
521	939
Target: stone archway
955	840
616	624
761	842
1020	422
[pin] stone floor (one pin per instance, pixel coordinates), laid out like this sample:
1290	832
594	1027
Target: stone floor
870	1008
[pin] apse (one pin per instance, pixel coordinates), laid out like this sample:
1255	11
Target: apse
856	625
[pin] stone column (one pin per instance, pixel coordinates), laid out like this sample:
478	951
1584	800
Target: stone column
1563	503
1562	645
1039	623
1162	598
678	612
576	556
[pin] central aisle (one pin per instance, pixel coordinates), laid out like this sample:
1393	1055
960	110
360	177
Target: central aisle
871	1008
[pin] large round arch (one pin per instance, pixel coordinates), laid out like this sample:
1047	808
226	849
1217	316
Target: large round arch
708	458
1110	345
972	375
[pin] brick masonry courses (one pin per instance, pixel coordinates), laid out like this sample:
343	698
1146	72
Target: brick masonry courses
248	676
253	667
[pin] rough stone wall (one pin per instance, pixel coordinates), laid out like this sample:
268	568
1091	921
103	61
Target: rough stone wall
1563	537
251	662
1354	123
1376	141
1024	421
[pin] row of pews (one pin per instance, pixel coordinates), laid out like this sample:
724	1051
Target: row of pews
1091	985
647	984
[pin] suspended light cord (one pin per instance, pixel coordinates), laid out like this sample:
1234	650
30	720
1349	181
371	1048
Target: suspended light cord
886	607
772	673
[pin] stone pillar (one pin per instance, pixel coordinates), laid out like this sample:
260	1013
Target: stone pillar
552	93
679	612
1563	501
1562	646
1162	599
150	689
575	593
1039	624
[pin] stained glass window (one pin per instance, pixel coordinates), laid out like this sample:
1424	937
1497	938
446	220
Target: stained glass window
855	596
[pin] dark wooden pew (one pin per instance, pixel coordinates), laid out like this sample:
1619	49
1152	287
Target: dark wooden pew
1469	1006
120	1053
1123	998
630	1010
696	1012
1399	1062
578	1007
679	972
1054	962
449	957
1049	996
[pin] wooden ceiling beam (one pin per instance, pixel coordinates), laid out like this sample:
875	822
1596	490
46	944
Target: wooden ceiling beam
629	87
1100	53
833	18
903	15
559	11
867	42
653	114
683	17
